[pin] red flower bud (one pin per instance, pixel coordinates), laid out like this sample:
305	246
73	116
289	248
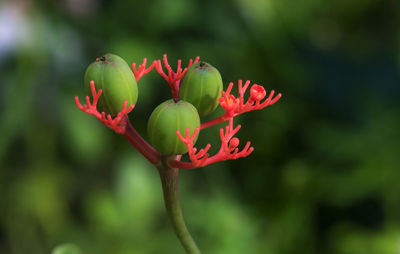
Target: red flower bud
257	93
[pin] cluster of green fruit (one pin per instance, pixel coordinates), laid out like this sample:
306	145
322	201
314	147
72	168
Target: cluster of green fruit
199	92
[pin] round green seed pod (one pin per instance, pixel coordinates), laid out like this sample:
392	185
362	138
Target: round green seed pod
112	74
166	119
202	86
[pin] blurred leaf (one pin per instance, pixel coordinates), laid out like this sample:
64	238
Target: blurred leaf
67	248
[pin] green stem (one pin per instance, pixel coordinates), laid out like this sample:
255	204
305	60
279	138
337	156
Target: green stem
169	180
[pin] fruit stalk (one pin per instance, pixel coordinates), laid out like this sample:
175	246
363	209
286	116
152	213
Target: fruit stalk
169	181
139	143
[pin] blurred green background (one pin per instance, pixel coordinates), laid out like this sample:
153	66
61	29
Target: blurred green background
324	176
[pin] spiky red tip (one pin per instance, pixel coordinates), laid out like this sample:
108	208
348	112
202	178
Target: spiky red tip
173	78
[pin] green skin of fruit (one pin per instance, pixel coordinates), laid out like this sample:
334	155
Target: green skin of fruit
165	120
202	86
112	74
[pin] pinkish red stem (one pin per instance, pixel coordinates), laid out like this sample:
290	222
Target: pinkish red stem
220	119
140	144
119	124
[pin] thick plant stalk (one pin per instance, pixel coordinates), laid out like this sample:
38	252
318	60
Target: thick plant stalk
169	180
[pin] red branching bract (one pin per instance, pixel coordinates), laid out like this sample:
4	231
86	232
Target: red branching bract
91	108
142	70
235	106
173	78
119	124
228	151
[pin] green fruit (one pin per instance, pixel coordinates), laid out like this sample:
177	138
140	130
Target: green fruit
112	74
202	86
166	119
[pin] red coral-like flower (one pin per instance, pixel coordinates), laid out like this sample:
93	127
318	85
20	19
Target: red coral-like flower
173	78
235	106
229	103
115	123
228	151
